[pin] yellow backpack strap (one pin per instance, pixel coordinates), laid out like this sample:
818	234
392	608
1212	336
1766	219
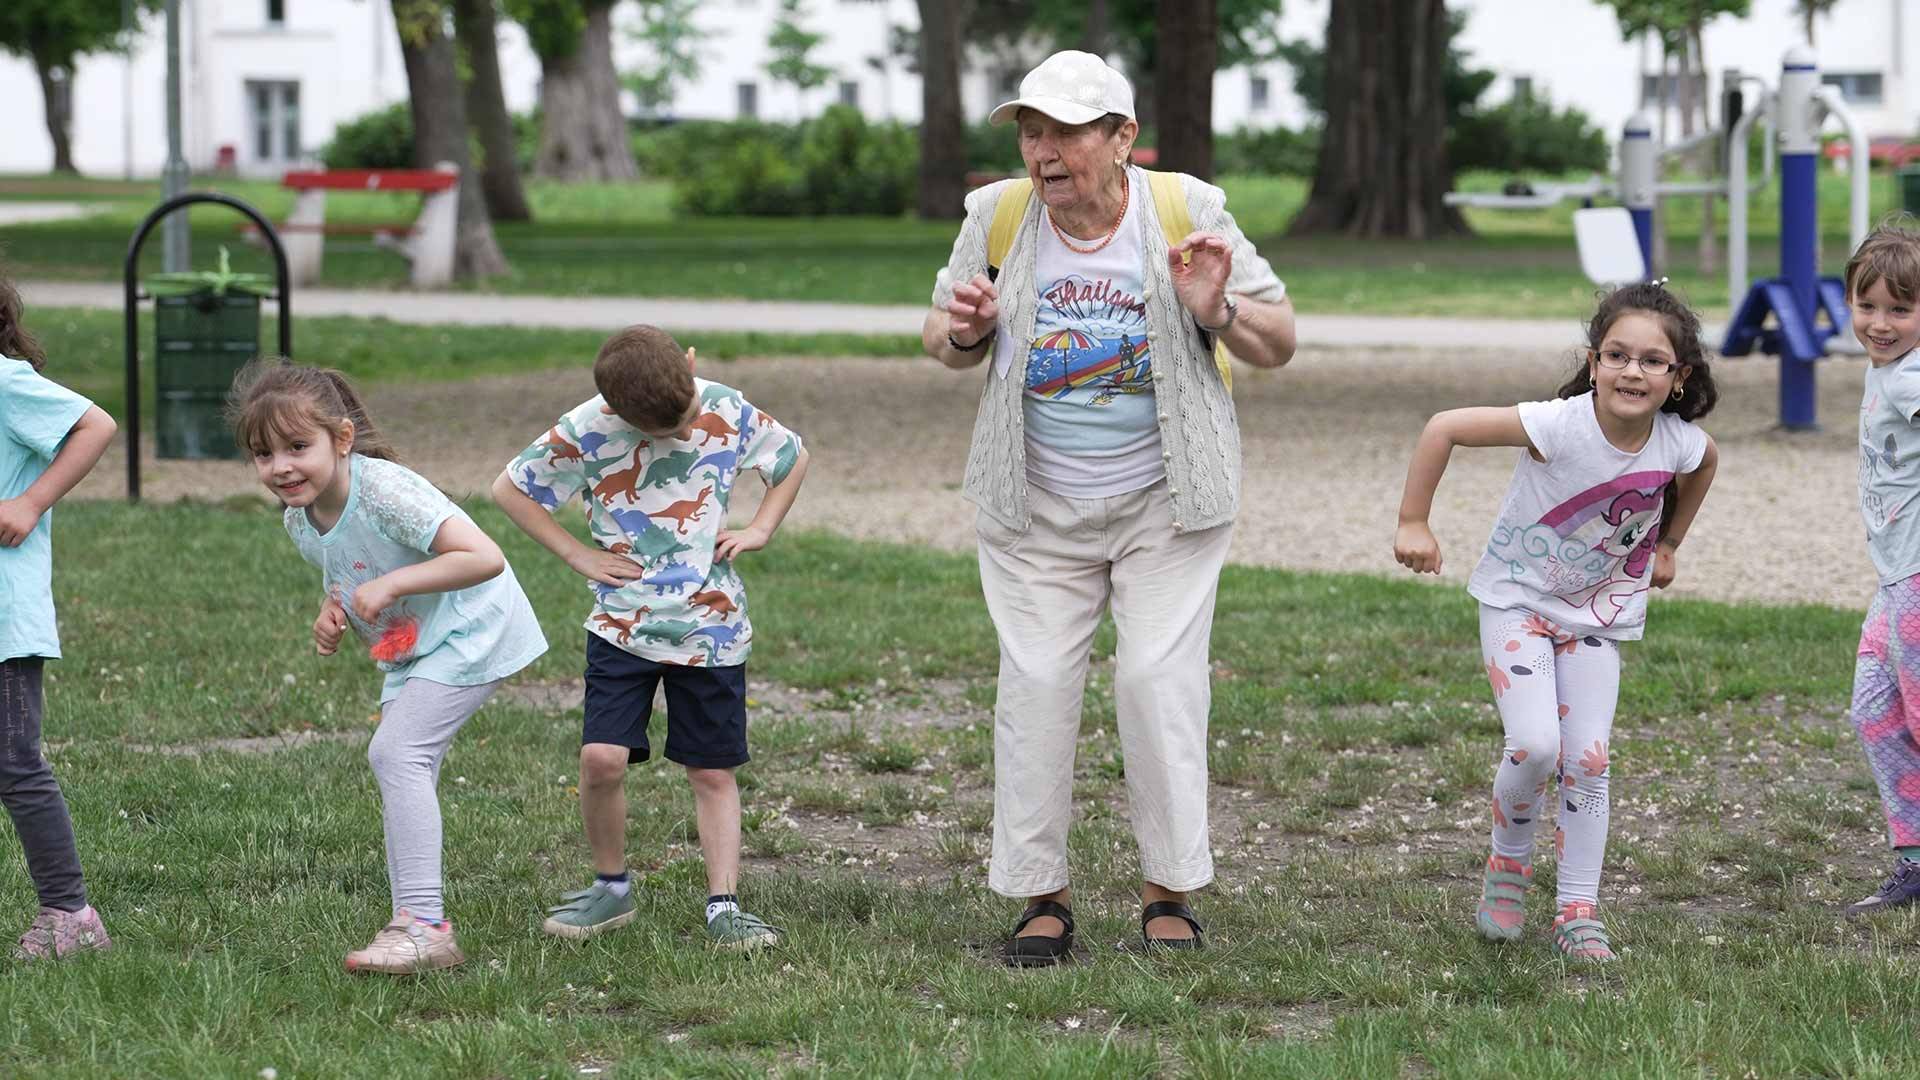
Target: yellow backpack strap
1170	201
1007	214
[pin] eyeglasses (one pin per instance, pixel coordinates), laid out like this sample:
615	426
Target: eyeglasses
1616	360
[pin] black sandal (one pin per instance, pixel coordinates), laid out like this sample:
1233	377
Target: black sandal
1160	908
1038	950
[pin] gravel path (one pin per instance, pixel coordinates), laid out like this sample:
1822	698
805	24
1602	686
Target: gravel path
1326	445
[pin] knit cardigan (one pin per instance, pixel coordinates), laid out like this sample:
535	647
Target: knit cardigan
1199	434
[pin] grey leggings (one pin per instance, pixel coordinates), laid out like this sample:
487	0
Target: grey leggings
31	795
415	730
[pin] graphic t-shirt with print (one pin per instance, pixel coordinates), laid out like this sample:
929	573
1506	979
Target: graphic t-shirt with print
36	414
662	503
1090	420
1575	539
460	638
1890	467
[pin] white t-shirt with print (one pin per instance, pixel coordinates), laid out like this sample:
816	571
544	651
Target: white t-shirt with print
662	503
1091	428
1575	539
1890	467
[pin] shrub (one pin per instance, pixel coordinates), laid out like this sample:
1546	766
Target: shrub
835	164
1274	152
1529	135
381	139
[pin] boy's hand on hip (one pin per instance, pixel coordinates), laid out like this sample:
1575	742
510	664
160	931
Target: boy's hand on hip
328	628
604	567
17	519
1415	548
732	542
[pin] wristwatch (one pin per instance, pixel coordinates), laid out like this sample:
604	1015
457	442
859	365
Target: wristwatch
1233	312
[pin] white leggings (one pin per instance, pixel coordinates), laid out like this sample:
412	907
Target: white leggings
1556	693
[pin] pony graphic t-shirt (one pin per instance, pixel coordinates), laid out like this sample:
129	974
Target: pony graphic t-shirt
1890	467
1090	414
662	503
1576	535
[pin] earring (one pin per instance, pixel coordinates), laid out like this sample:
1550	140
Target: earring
1679	392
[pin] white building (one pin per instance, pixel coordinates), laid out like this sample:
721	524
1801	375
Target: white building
265	82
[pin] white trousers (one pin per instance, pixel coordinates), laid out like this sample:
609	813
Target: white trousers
1556	693
1047	589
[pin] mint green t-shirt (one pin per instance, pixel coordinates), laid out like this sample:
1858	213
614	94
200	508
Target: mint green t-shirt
36	414
461	638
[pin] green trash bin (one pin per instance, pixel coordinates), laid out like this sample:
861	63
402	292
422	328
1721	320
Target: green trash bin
1910	189
206	327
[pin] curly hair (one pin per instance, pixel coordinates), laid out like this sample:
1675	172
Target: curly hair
1682	328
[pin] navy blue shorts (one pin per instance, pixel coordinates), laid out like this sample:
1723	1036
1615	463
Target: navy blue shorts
706	707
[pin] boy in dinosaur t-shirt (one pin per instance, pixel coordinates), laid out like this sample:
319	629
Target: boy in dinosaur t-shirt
654	456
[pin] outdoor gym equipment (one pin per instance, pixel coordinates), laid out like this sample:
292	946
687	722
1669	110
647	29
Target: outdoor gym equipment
1616	247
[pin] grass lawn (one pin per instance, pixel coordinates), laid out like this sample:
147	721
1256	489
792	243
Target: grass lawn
627	240
86	349
1354	746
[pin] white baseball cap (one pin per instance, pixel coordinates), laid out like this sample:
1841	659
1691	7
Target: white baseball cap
1073	88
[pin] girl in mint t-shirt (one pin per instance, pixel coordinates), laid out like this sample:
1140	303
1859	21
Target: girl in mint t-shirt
427	591
50	437
1608	481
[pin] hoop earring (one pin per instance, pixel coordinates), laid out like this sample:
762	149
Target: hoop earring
1679	392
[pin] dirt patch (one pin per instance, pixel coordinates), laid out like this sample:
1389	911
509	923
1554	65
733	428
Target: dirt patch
251	744
1326	442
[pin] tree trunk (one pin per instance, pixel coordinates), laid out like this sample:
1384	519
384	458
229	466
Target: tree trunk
1188	34
943	141
438	105
474	22
1382	167
1708	252
583	133
57	96
1097	33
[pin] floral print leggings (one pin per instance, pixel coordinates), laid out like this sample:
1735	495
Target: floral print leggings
1886	704
1556	693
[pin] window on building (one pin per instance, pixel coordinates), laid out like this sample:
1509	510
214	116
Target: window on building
1009	85
1262	93
850	93
1652	87
748	100
1523	88
273	110
1858	87
276	12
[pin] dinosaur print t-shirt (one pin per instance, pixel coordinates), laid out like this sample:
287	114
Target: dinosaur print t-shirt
662	503
1575	540
1890	467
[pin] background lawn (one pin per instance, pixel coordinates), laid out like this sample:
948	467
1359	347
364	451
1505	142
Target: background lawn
627	240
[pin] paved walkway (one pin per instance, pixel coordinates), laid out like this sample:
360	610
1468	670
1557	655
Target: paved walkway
609	312
21	213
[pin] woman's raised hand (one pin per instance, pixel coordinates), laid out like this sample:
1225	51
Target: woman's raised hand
974	310
1201	265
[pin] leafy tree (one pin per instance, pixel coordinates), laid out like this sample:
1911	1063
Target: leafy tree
438	103
583	133
792	44
668	31
53	34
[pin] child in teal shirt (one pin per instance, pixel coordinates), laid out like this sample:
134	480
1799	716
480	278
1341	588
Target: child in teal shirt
50	437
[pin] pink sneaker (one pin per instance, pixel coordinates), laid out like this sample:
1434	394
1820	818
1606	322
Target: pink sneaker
56	935
1578	935
1503	899
407	946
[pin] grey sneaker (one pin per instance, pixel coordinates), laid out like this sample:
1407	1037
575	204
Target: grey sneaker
741	931
57	935
589	911
1901	888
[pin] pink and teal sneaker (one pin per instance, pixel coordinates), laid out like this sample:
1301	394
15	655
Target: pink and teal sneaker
1577	935
1503	908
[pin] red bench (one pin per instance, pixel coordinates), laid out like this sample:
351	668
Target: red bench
427	241
1892	151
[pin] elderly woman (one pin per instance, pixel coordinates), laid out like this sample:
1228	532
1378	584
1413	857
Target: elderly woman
1106	467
